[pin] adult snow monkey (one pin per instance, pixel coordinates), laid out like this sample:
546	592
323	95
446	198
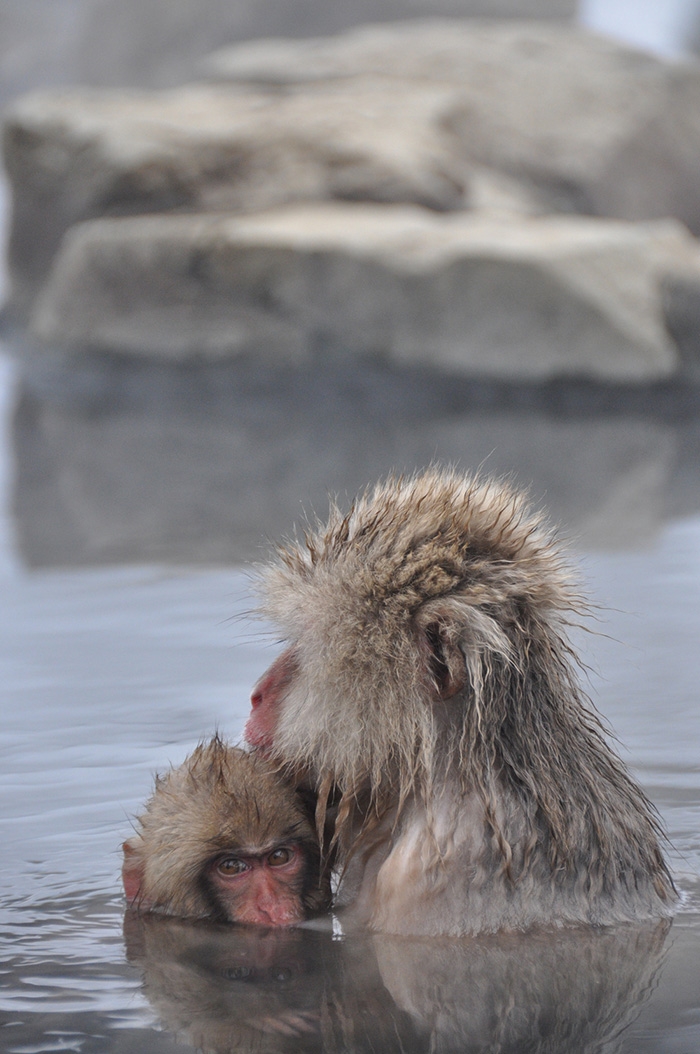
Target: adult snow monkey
430	689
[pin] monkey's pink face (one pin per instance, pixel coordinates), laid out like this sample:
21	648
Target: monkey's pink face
267	699
262	889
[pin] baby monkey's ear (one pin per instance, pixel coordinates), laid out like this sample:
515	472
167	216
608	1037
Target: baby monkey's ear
132	873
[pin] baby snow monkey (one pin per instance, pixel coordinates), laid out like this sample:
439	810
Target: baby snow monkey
224	837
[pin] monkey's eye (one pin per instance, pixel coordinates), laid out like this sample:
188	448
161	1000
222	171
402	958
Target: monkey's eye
232	865
281	856
236	973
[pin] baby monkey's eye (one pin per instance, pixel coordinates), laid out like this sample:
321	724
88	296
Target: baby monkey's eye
280	856
232	865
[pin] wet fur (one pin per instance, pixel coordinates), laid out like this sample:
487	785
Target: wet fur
500	806
220	798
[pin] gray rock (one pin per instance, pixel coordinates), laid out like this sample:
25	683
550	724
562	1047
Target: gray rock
449	114
681	297
158	43
611	130
526	300
77	155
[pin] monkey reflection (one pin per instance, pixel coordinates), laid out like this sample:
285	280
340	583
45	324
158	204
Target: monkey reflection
221	989
253	989
571	991
297	991
223	837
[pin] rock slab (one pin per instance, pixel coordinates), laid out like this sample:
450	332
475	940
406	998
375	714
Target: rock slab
613	131
547	117
158	43
526	300
77	155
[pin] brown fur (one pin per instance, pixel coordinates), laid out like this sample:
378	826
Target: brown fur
221	798
438	692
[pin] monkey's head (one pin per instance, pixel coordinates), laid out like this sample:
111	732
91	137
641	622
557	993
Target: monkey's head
407	619
224	837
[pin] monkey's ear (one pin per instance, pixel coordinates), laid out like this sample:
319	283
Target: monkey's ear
446	664
132	874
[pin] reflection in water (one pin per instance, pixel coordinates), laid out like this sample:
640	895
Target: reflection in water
119	461
245	988
570	990
241	988
108	675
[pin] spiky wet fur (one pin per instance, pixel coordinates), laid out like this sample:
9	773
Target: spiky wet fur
220	799
501	806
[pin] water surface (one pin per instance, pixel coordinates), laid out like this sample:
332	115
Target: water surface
128	506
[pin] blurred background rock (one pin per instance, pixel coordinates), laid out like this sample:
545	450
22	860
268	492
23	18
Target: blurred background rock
159	43
259	267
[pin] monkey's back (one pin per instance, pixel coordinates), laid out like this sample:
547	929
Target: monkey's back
431	685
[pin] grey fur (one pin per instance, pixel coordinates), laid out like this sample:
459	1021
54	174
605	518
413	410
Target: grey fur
498	803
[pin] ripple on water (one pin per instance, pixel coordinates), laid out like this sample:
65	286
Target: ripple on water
109	675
